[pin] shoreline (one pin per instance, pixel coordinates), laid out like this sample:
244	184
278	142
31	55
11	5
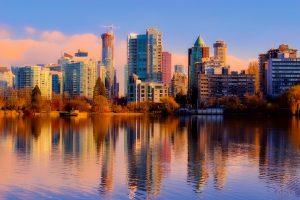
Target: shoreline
55	114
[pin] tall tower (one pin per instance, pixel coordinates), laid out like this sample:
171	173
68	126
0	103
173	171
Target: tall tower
145	55
108	39
166	67
154	55
220	52
197	55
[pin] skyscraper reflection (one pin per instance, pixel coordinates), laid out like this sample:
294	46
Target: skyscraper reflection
145	157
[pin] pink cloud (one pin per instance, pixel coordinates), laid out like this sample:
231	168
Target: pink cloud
30	30
238	63
47	48
179	59
4	32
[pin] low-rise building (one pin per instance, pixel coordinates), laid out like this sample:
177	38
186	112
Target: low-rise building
214	86
139	91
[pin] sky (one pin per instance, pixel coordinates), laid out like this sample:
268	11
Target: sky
36	32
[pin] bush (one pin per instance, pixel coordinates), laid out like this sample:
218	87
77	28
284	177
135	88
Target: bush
119	109
78	103
169	105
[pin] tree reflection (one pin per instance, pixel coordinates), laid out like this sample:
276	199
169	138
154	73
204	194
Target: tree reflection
155	147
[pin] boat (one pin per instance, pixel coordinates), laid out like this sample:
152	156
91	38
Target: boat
72	113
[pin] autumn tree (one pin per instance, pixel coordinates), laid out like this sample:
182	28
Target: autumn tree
99	89
169	104
100	104
57	102
254	70
2	102
231	103
36	99
293	99
254	103
77	103
181	99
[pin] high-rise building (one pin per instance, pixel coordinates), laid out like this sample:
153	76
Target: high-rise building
108	39
30	76
115	86
57	84
101	72
166	67
282	74
79	76
45	83
220	52
145	55
125	79
263	63
197	55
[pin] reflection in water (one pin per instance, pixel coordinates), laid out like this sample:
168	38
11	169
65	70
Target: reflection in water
141	157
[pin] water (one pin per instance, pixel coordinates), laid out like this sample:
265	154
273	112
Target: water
111	157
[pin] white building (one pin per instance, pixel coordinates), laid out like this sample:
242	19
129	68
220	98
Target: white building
79	75
30	76
139	91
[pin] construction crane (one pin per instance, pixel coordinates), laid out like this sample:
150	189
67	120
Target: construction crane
110	28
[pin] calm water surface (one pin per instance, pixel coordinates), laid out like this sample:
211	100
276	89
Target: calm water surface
111	157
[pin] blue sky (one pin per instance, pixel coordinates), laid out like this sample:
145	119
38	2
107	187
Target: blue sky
249	27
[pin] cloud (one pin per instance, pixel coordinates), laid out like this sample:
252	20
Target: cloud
54	36
238	64
42	47
30	30
46	47
4	32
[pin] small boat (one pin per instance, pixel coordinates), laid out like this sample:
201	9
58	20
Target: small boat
72	113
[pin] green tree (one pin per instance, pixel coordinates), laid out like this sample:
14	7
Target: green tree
36	99
99	89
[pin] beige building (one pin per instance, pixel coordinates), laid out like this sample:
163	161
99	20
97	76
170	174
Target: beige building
220	52
6	78
146	91
30	76
101	72
179	84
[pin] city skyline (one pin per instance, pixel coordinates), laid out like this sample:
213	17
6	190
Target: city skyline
28	40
